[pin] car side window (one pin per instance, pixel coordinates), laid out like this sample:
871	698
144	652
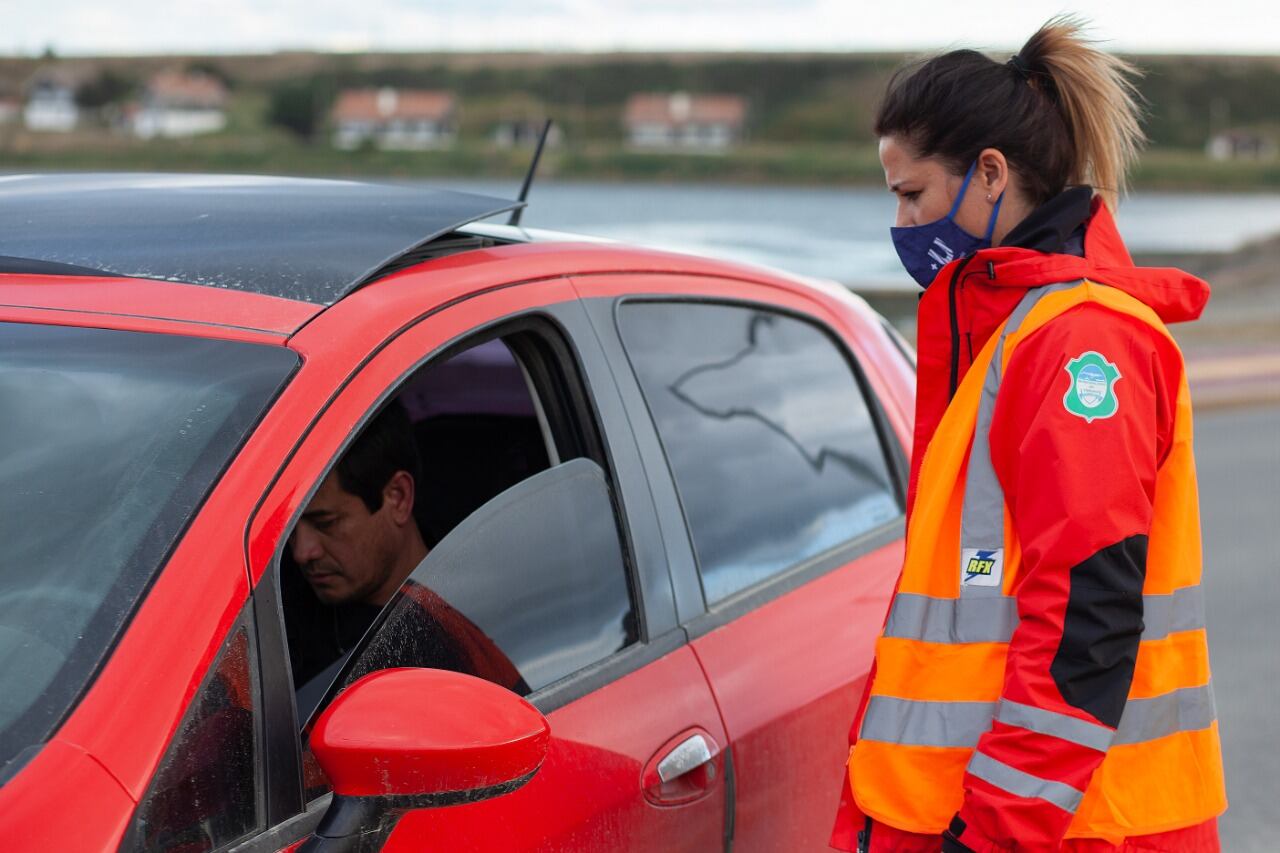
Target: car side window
502	542
529	589
770	439
205	793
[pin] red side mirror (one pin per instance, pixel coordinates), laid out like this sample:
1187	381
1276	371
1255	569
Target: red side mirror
403	739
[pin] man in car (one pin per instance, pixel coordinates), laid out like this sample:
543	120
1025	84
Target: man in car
356	545
357	540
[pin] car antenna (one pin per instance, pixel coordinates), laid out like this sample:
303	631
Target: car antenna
528	178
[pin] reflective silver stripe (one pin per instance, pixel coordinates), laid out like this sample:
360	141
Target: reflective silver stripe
960	724
1091	735
952	620
971	619
914	723
1187	710
1181	610
1022	784
982	514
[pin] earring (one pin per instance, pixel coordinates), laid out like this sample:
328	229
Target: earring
988	196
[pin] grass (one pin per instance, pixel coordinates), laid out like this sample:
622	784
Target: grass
248	146
1192	171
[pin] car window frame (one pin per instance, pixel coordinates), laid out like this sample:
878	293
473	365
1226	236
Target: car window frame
750	598
656	620
538	375
247	621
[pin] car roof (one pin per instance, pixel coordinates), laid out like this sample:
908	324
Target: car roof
303	239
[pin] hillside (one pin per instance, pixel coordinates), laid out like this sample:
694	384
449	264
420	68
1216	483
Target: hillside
808	119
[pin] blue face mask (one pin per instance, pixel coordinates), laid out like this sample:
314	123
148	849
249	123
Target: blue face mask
925	249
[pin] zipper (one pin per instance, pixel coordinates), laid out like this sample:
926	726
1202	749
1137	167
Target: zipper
955	328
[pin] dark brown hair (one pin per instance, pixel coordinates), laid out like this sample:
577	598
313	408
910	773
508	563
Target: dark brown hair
1062	112
385	447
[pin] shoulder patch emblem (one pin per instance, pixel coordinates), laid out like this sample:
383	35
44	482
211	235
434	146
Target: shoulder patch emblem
1092	393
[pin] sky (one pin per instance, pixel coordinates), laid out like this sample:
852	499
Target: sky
91	27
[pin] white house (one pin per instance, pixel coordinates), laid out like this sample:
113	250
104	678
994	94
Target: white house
178	104
1243	145
394	119
51	103
682	120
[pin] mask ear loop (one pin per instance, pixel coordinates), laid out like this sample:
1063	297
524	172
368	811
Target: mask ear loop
963	189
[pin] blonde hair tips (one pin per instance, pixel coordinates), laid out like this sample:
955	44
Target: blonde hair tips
1096	94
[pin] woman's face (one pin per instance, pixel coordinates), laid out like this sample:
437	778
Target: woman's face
926	189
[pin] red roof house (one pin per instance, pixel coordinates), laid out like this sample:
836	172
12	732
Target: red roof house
682	120
402	119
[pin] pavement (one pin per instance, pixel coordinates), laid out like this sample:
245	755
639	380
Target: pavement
1238	463
1235	391
1230	375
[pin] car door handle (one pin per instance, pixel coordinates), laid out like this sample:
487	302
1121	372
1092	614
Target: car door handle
683	770
688	755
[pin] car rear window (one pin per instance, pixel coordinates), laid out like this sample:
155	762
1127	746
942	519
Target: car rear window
109	441
770	439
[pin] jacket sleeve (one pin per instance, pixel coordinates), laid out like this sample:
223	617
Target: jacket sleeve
1080	491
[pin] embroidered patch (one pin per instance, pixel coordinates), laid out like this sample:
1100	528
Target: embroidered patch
981	568
1092	393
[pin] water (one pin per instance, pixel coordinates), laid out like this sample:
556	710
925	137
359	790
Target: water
840	233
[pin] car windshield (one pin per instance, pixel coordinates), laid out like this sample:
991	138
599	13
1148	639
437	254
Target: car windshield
109	441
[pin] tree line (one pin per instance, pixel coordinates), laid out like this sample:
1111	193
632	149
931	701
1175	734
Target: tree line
793	98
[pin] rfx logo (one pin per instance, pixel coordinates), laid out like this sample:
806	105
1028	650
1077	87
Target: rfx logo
943	257
982	564
981	567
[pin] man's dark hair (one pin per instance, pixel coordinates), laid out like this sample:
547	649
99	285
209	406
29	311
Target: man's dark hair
384	447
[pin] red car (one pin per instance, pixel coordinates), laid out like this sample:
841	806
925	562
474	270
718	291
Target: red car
662	496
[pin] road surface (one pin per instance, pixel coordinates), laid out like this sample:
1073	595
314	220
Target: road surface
1238	459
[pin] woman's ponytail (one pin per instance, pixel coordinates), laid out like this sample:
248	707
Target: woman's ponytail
1061	111
1098	101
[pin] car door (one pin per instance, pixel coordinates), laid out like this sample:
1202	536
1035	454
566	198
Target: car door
775	471
617	714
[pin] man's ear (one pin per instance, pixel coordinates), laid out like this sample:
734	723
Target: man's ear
397	497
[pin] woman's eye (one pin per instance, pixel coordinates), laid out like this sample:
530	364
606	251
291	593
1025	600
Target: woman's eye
911	196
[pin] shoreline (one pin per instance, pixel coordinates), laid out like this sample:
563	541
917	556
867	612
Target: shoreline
1243	309
801	165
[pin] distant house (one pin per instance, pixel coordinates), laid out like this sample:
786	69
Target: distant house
513	132
51	102
681	120
177	104
394	119
1242	145
10	108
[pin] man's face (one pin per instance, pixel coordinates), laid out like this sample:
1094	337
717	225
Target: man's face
345	552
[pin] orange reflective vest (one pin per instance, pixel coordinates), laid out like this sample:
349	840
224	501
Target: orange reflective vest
940	661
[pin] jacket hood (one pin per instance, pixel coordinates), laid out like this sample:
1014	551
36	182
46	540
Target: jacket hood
1174	295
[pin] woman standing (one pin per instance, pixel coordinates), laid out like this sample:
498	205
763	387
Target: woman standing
1042	680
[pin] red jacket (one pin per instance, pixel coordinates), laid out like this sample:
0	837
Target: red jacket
1046	462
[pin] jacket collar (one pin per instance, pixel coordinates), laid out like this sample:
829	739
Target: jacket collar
1050	227
1174	295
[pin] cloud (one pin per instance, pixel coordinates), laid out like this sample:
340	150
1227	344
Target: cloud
133	26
